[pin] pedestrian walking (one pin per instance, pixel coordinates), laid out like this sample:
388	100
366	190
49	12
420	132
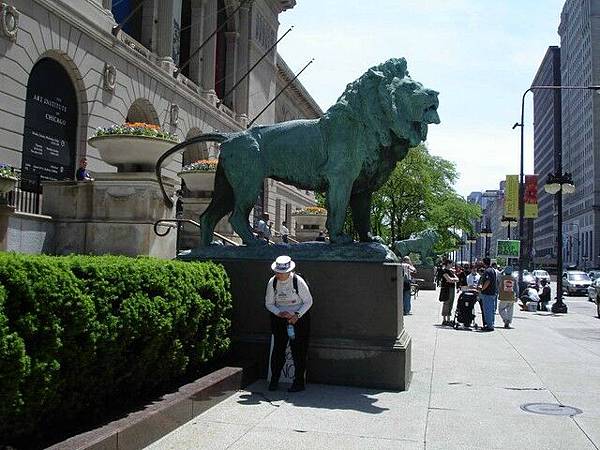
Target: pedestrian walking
288	299
447	291
461	273
545	295
439	271
488	294
408	270
263	229
507	296
284	232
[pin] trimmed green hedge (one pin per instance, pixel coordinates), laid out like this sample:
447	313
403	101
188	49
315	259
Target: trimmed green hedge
81	334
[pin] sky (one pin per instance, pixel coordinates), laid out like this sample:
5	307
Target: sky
480	55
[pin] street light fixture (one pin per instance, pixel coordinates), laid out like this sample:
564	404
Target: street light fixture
471	240
462	246
521	172
506	222
554	185
486	233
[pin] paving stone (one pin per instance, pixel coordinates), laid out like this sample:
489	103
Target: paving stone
466	392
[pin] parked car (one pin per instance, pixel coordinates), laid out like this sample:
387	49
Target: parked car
541	275
576	282
528	279
594	294
594	274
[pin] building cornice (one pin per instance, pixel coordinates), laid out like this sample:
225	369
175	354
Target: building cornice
285	74
99	31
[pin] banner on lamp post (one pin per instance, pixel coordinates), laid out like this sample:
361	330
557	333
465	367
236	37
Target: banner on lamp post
511	196
530	197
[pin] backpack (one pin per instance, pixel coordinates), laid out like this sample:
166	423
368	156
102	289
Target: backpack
294	282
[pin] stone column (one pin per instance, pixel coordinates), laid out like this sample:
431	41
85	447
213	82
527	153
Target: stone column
231	66
242	91
148	32
196	39
210	48
167	19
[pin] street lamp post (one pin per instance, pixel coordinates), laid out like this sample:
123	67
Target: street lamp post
471	240
486	233
521	172
557	184
577	238
506	221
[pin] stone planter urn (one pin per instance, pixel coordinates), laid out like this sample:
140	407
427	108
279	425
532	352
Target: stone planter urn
7	184
200	175
124	151
196	180
309	221
132	147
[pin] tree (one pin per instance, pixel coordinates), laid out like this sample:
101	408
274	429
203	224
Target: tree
418	181
419	195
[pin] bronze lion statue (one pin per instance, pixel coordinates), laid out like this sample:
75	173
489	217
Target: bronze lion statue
423	244
348	153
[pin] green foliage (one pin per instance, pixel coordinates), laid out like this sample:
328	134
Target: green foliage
136	129
419	195
80	334
8	172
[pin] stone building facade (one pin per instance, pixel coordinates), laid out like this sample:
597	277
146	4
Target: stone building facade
67	68
579	32
547	129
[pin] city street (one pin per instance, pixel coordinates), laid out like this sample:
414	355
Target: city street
468	391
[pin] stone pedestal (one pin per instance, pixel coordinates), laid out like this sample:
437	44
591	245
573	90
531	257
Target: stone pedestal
193	207
357	336
114	214
427	274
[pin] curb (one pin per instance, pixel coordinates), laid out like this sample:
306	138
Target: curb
141	428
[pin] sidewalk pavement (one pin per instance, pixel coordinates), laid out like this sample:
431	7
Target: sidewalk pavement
466	393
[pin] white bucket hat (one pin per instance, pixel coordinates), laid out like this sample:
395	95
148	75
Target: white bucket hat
283	264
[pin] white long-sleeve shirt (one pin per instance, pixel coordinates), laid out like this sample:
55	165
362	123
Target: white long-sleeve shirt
473	279
286	299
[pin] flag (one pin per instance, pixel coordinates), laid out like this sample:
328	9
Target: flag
530	197
511	196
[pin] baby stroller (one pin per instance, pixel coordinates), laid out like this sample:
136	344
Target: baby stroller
464	309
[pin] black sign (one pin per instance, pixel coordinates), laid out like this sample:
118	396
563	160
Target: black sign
49	140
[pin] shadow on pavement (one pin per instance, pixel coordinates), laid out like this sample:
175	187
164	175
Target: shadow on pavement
318	396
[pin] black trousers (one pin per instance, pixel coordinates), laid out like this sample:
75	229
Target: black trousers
299	346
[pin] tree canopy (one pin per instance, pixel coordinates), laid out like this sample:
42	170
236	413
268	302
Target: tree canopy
420	195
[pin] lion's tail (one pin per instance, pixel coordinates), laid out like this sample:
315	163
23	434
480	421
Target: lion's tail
208	137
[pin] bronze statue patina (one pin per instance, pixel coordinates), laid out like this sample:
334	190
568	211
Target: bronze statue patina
422	245
348	153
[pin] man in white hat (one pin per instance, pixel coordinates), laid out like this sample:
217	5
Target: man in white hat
288	299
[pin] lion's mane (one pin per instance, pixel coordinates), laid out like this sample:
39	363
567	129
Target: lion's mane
385	82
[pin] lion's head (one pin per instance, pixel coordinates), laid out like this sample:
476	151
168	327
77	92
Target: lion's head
387	101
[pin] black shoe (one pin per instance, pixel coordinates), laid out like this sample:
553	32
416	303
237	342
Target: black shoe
273	385
296	388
